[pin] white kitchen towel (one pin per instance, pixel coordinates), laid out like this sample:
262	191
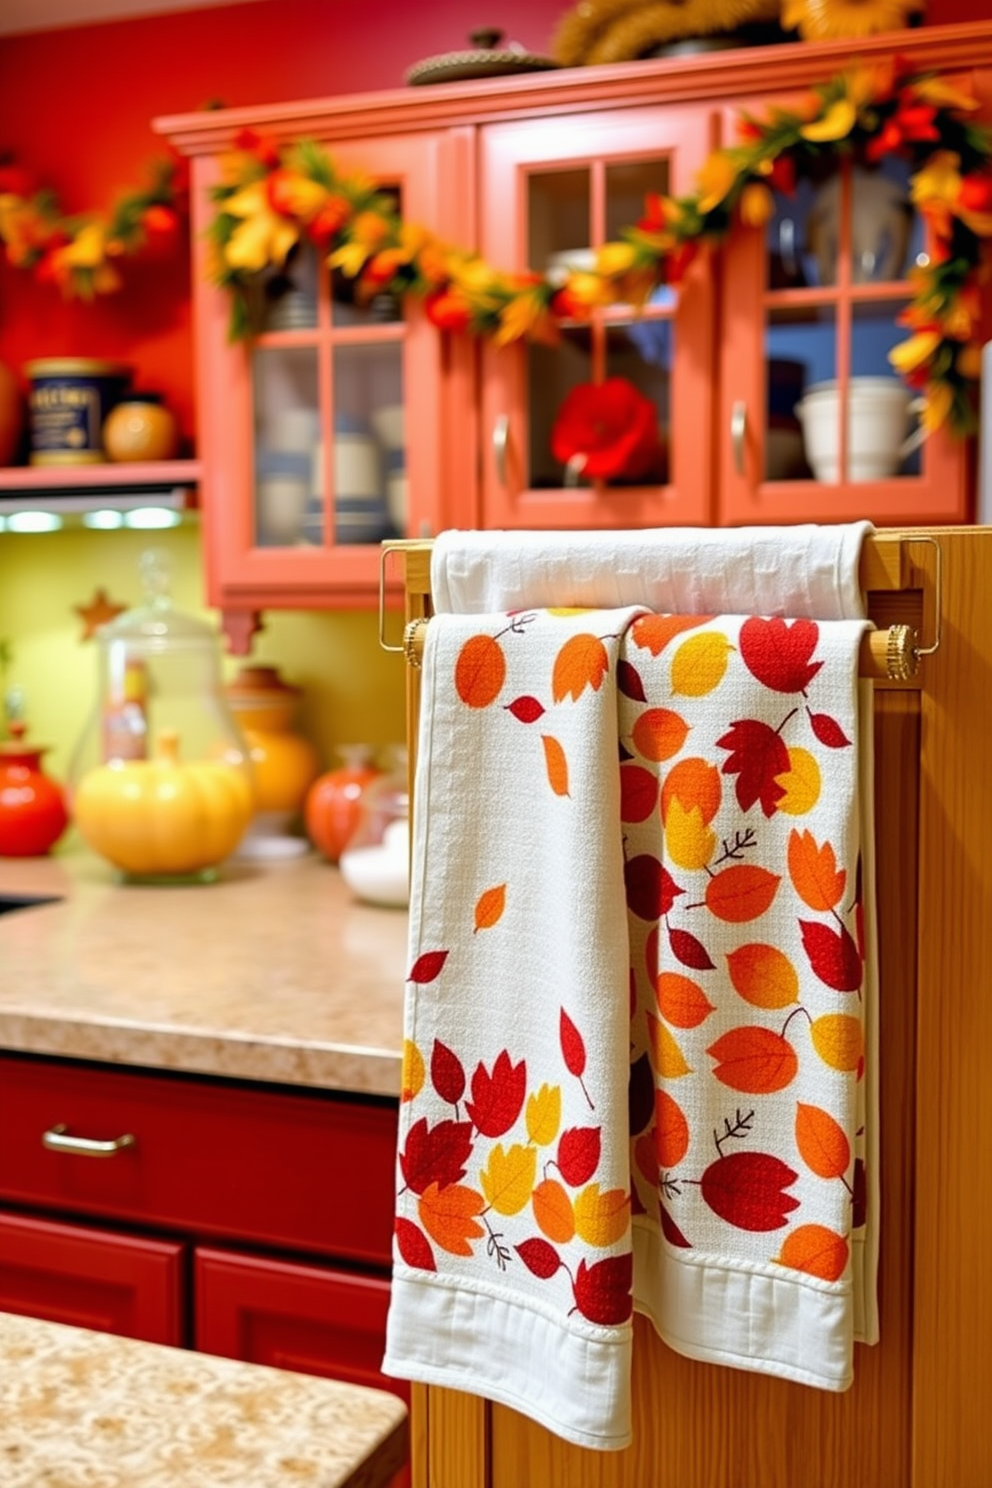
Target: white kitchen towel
801	570
637	983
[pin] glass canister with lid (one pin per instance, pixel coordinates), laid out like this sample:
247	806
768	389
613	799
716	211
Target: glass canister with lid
160	782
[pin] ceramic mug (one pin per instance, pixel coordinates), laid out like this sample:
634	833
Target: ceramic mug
878	413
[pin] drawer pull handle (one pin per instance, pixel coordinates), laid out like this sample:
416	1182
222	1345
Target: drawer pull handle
57	1139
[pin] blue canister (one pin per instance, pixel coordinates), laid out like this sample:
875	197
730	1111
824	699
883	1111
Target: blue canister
68	401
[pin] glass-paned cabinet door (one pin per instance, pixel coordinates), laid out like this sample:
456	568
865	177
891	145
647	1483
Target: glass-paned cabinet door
331	433
610	425
815	424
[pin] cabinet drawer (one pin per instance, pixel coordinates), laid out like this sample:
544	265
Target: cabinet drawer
299	1171
92	1279
310	1319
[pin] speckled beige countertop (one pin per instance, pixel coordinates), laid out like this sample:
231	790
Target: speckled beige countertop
274	973
87	1410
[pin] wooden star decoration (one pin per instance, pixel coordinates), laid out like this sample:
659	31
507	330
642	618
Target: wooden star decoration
99	611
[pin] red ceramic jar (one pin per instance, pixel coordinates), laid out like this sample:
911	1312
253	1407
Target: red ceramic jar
33	812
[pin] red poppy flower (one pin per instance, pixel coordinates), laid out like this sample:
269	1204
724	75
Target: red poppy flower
611	426
448	309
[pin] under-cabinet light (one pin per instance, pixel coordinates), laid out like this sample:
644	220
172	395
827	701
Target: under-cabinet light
104	519
152	516
33	521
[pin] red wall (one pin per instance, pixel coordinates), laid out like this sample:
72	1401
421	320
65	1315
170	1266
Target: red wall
75	106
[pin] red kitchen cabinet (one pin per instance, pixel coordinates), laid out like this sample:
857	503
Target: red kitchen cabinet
176	1164
316	1320
98	1279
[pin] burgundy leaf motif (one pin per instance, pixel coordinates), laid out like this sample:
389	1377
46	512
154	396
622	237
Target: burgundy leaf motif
651	890
447	1074
539	1257
629	682
414	1246
640	1094
602	1291
747	1190
689	951
828	731
436	1154
757	756
833	955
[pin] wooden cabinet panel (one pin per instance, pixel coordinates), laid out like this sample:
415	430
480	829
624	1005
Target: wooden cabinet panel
92	1278
303	1172
316	1320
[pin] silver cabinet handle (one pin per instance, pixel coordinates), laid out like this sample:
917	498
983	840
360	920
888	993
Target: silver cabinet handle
501	438
738	433
57	1139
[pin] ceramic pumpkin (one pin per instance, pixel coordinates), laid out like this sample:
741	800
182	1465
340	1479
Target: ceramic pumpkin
163	818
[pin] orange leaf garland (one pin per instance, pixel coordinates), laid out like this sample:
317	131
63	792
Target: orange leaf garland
448	1216
659	733
814	872
763	975
556	765
553	1211
816	1250
489	907
754	1060
582	662
681	1001
480	671
602	1216
822	1141
671	1132
741	893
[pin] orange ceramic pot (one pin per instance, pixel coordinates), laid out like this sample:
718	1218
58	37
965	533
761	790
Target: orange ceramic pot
140	427
284	763
333	805
33	812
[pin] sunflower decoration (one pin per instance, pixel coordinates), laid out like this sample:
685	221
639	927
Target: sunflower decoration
828	20
598	31
81	254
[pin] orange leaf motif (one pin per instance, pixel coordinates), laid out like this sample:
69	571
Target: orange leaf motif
448	1216
556	765
489	907
741	893
692	782
480	672
671	1132
763	975
581	663
653	632
814	872
822	1142
681	1001
602	1216
816	1250
839	1041
553	1211
666	1057
659	733
754	1060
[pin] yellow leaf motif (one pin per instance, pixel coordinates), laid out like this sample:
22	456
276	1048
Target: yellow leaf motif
508	1177
699	664
601	1218
689	840
839	1041
556	765
412	1075
544	1115
489	907
801	783
666	1056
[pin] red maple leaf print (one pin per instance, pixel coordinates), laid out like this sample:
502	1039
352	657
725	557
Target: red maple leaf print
778	652
746	1189
436	1154
578	1154
602	1291
757	756
497	1098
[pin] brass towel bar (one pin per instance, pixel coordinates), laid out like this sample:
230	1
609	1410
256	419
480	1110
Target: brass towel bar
892	653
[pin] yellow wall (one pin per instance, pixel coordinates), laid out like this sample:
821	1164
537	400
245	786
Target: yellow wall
353	691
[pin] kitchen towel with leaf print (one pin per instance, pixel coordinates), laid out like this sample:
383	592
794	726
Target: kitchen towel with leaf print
635	1015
